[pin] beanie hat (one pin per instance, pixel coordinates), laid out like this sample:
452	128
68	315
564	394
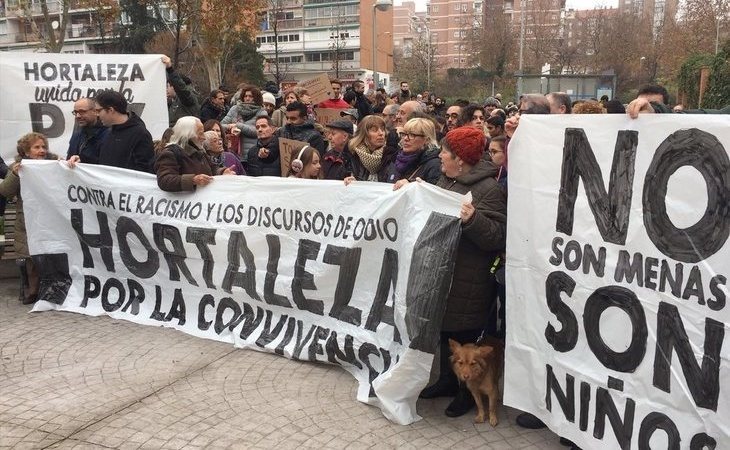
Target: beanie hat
467	143
269	98
491	101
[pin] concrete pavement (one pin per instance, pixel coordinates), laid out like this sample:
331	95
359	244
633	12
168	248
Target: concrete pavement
75	381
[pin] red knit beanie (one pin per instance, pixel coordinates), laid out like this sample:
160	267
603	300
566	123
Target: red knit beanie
467	143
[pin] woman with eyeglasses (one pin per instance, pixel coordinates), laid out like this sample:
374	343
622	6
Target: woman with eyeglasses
498	154
30	146
419	154
371	158
471	297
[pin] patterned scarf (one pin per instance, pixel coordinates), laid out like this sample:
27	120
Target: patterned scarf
371	160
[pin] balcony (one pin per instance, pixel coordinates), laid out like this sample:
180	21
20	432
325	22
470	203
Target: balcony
23	9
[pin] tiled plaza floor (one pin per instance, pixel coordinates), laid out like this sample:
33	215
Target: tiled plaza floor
75	381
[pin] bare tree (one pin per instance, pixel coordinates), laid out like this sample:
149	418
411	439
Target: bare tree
274	16
338	39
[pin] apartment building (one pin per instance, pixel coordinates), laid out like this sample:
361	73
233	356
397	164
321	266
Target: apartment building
23	25
656	10
307	37
448	26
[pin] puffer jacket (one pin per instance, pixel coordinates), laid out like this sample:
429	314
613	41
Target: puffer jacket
482	239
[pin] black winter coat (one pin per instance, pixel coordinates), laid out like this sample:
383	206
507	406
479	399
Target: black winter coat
209	111
427	167
264	167
86	142
482	239
305	132
129	146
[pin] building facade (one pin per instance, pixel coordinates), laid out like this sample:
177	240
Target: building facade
300	38
655	10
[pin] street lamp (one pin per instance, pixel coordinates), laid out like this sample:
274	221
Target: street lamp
425	22
381	5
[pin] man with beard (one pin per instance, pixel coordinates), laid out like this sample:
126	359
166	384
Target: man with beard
364	108
405	94
85	142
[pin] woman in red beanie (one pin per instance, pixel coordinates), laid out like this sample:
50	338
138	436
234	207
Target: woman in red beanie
482	240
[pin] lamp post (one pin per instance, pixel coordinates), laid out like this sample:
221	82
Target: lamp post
381	5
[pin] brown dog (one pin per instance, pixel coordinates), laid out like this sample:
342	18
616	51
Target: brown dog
480	368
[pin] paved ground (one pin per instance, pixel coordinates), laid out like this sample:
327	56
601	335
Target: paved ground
75	381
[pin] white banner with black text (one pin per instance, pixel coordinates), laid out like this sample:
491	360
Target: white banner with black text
312	270
38	91
617	267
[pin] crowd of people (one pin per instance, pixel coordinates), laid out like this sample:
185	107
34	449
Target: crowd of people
398	139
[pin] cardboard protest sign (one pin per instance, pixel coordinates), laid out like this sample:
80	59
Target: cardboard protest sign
318	87
39	91
617	266
327	115
308	269
288	149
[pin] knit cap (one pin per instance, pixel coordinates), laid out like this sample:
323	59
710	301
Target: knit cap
467	143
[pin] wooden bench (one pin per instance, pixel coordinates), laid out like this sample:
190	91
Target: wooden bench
8	239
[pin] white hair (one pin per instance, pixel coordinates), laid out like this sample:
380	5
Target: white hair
185	130
209	136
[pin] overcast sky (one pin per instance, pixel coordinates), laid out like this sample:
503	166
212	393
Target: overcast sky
574	4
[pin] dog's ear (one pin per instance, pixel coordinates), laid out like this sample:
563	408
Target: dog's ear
454	346
485	351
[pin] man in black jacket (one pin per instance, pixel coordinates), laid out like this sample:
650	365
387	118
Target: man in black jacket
128	144
300	129
214	107
90	132
364	108
181	99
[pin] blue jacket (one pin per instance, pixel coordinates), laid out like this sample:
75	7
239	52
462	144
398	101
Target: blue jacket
86	142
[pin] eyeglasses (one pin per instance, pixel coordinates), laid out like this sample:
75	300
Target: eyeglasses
78	112
452	116
410	136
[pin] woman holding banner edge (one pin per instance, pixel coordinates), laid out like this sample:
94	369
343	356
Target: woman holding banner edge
484	221
30	146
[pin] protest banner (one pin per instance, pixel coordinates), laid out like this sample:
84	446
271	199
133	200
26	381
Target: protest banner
39	91
288	149
327	115
617	266
319	87
311	270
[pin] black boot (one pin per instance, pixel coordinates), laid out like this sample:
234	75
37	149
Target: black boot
462	404
447	385
529	421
